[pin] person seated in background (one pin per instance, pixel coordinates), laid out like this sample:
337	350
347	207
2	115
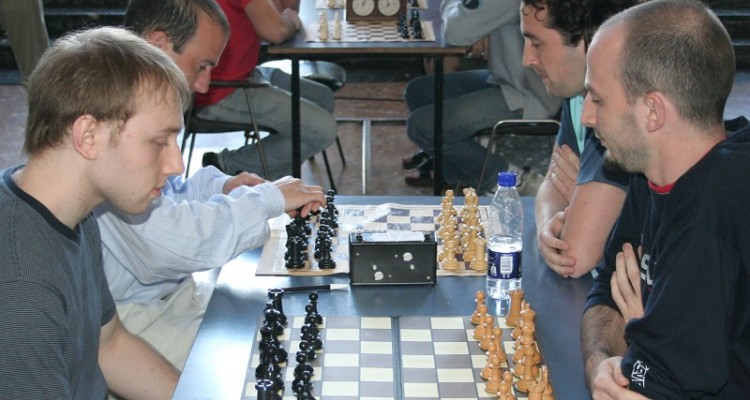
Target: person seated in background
23	22
579	199
475	99
104	112
198	223
668	316
251	22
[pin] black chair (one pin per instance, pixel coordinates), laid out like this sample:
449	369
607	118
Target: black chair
195	124
523	127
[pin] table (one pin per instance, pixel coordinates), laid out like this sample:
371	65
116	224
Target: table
297	48
217	363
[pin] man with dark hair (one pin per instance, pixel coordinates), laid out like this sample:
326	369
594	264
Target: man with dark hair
579	200
475	99
105	109
198	223
668	316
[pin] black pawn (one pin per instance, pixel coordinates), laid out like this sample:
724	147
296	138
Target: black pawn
276	296
265	390
272	319
302	364
313	308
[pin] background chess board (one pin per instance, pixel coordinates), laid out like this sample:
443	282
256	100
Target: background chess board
437	358
389	217
368	31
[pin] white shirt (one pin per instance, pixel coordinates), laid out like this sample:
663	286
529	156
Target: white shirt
192	227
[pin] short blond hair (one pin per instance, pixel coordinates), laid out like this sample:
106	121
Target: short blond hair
102	72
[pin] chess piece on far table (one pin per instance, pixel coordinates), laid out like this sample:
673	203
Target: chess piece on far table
323	26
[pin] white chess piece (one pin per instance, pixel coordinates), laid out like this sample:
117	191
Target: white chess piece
337	26
331	3
323	26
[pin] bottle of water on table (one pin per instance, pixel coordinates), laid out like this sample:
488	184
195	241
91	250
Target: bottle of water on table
505	243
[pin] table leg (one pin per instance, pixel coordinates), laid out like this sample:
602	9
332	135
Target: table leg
366	130
438	127
296	121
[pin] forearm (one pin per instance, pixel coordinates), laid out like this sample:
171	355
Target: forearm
591	215
180	238
547	203
602	337
132	368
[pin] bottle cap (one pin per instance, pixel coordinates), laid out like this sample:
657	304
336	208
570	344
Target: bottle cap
507	179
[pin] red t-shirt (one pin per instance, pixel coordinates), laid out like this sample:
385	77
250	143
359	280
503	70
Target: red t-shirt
240	55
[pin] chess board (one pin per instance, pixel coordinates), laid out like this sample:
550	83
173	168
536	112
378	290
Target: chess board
390	358
389	217
367	31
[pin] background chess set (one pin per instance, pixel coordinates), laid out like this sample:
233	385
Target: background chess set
363	31
431	357
391	218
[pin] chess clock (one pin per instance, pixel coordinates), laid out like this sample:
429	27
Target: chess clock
373	10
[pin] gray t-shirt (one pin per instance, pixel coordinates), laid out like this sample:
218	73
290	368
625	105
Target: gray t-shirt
54	299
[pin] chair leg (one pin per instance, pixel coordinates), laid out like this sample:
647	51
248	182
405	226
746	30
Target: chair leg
341	151
328	171
261	153
490	144
190	155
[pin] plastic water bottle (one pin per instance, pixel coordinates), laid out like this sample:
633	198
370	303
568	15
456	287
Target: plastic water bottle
505	239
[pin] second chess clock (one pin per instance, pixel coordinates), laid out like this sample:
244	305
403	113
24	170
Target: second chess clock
368	10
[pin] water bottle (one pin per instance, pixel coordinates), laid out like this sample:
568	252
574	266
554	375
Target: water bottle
505	239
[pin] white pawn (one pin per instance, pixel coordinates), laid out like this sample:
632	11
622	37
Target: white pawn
331	3
337	26
323	26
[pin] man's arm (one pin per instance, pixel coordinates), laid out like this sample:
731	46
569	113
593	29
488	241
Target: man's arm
602	337
270	24
593	211
464	26
131	367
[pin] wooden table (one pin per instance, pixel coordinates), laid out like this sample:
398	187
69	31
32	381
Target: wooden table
298	48
218	361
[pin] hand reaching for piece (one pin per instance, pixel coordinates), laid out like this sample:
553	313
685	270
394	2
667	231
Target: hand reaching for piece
299	197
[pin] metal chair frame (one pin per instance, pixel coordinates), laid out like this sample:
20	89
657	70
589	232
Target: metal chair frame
525	127
191	120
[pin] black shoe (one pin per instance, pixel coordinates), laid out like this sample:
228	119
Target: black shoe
211	159
414	161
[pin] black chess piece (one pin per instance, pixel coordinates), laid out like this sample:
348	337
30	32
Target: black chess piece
302	387
333	212
313	310
309	351
276	296
325	258
311	334
270	341
295	256
265	390
302	364
272	319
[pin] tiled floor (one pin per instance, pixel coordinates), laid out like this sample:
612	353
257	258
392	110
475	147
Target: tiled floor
356	100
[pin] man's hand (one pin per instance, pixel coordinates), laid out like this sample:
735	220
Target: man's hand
610	384
563	170
298	197
626	283
551	246
242	179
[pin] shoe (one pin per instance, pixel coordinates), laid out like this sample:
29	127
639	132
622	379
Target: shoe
212	159
413	161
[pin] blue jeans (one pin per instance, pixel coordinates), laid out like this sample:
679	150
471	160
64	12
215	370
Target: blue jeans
273	110
470	104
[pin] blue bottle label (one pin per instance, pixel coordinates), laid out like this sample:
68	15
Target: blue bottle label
504	265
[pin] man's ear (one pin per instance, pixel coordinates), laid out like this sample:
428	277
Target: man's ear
160	39
85	132
656	110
